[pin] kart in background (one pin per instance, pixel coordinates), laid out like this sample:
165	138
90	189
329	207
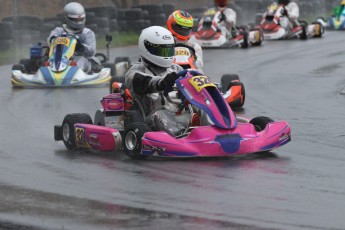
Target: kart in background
217	133
208	35
54	66
273	29
333	22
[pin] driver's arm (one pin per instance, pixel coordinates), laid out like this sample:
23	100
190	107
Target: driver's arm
54	33
89	42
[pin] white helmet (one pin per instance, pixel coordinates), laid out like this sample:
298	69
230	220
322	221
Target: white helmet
74	16
157	46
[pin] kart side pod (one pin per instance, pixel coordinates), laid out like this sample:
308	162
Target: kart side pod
78	132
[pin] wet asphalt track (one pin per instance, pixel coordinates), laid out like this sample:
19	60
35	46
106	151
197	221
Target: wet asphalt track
299	186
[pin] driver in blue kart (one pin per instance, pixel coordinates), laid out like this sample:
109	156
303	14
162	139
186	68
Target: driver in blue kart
75	25
180	24
152	76
291	11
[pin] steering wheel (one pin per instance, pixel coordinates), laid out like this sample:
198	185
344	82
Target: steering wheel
182	73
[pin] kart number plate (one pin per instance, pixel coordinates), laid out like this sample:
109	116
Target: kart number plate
200	82
182	52
62	41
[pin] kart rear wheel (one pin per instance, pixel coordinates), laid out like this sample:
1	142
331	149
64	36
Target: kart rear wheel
260	122
259	37
226	80
68	134
245	43
320	28
304	34
19	67
132	143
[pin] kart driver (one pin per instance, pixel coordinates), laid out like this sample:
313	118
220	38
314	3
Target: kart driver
180	24
75	25
227	19
338	10
291	12
154	74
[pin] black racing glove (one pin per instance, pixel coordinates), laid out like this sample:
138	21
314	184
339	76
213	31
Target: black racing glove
79	46
167	82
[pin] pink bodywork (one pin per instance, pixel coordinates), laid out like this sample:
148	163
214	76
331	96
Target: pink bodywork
226	137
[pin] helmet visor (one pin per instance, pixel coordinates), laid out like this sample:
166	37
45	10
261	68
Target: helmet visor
77	20
181	30
166	50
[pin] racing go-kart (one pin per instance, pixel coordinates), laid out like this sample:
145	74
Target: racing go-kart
208	35
275	26
121	125
54	66
334	22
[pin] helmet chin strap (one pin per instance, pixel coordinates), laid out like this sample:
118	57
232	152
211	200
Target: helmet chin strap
70	30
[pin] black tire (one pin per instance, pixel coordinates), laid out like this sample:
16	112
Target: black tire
133	116
304	34
260	122
68	123
132	140
322	30
19	67
245	43
226	81
26	63
258	43
101	57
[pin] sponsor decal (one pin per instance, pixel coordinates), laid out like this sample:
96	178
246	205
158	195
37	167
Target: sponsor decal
167	37
80	138
200	82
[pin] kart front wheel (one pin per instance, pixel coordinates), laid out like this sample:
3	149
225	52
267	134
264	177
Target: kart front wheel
19	67
260	123
226	81
132	142
68	133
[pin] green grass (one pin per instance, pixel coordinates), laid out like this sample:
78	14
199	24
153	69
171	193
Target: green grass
12	55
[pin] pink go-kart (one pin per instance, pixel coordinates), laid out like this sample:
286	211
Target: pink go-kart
213	131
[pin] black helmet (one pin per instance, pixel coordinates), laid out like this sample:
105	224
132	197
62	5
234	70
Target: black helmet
284	2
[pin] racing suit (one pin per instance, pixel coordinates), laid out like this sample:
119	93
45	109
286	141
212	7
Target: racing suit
292	10
142	81
198	52
227	20
88	40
